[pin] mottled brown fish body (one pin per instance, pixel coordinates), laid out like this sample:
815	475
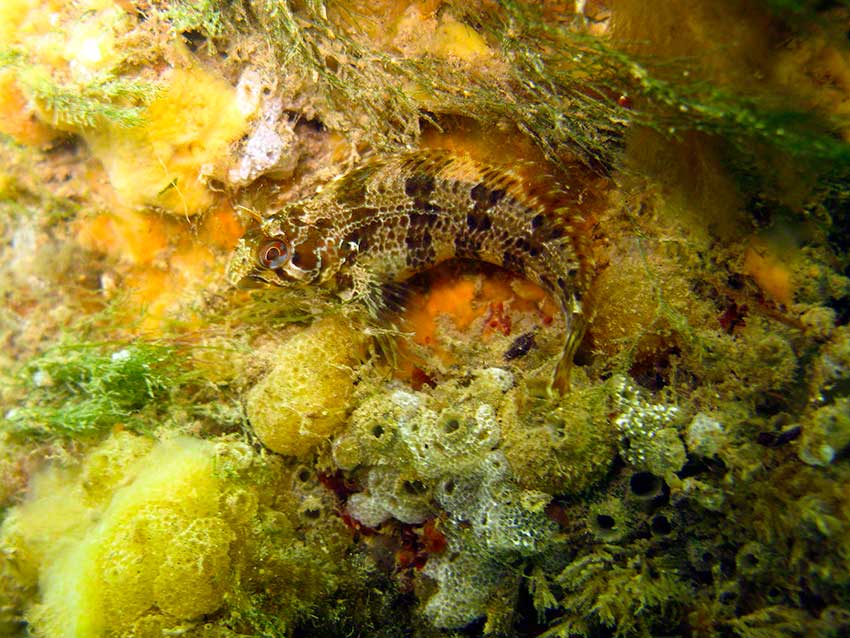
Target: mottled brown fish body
400	215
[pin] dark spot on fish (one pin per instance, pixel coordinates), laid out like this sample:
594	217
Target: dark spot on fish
422	220
416	240
479	222
525	245
426	206
556	233
537	221
513	262
484	197
419	186
520	346
478	193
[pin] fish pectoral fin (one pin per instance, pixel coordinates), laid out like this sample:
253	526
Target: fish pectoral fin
394	296
383	300
360	286
560	382
384	304
385	344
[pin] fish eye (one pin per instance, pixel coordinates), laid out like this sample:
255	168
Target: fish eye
273	254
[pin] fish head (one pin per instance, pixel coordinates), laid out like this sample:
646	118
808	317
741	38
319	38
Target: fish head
282	251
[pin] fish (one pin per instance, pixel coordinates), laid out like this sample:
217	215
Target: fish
394	216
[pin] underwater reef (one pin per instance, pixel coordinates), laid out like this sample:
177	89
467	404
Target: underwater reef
187	451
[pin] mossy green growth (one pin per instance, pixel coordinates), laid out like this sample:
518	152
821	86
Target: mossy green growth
777	621
624	590
204	17
82	388
146	533
86	104
563	448
546	69
81	103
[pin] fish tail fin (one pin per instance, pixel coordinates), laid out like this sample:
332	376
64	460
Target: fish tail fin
560	383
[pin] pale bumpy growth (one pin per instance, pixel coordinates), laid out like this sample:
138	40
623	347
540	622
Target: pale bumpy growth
649	440
424	455
492	524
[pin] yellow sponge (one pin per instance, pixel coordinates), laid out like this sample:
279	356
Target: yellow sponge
454	39
13	13
138	531
305	398
186	129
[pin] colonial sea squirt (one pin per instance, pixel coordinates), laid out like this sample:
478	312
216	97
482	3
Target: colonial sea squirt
396	216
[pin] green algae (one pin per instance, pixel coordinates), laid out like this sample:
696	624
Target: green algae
203	17
89	104
82	103
621	592
81	389
553	70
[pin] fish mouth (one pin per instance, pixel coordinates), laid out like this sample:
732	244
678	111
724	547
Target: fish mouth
242	265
